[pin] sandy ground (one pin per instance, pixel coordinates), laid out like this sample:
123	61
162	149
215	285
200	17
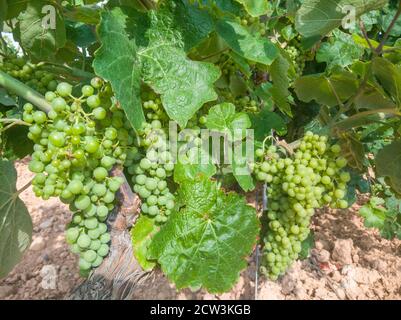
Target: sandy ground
348	262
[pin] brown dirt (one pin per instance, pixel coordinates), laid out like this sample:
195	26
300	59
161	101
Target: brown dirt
348	262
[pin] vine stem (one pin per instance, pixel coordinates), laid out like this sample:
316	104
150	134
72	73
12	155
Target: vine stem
24	188
16	121
390	27
24	91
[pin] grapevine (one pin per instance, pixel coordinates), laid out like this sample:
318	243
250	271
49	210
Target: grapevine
76	145
188	109
298	185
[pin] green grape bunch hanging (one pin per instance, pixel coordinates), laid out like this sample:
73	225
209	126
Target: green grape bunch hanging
31	74
297	185
151	171
77	144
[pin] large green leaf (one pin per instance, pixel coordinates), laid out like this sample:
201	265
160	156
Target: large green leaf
6	99
3	12
117	62
340	51
389	76
136	47
142	234
206	242
388	164
15	7
223	118
40	42
265	121
185	172
193	23
279	90
184	85
252	47
255	8
326	90
15	222
374	215
316	18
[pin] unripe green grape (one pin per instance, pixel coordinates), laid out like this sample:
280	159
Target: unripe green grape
75	186
84	265
93	101
36	166
91	223
59	104
82	202
100	173
102	211
95	244
109	197
97	262
84	241
99	113
72	235
87	91
64	89
103	250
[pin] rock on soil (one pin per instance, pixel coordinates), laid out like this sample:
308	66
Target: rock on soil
348	262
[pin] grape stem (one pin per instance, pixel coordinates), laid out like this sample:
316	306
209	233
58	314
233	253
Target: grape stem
16	121
24	188
22	90
12	123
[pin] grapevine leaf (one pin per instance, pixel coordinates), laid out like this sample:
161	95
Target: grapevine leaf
388	164
193	23
16	143
5	99
307	245
223	118
15	222
14	8
316	18
326	90
373	214
265	121
185	172
255	8
206	242
389	75
372	98
227	6
242	174
184	85
3	12
385	20
141	234
116	62
84	14
353	150
279	90
251	47
343	51
36	33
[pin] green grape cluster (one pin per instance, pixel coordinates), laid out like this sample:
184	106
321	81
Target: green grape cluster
297	185
76	145
151	171
247	104
298	58
253	23
31	74
227	65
